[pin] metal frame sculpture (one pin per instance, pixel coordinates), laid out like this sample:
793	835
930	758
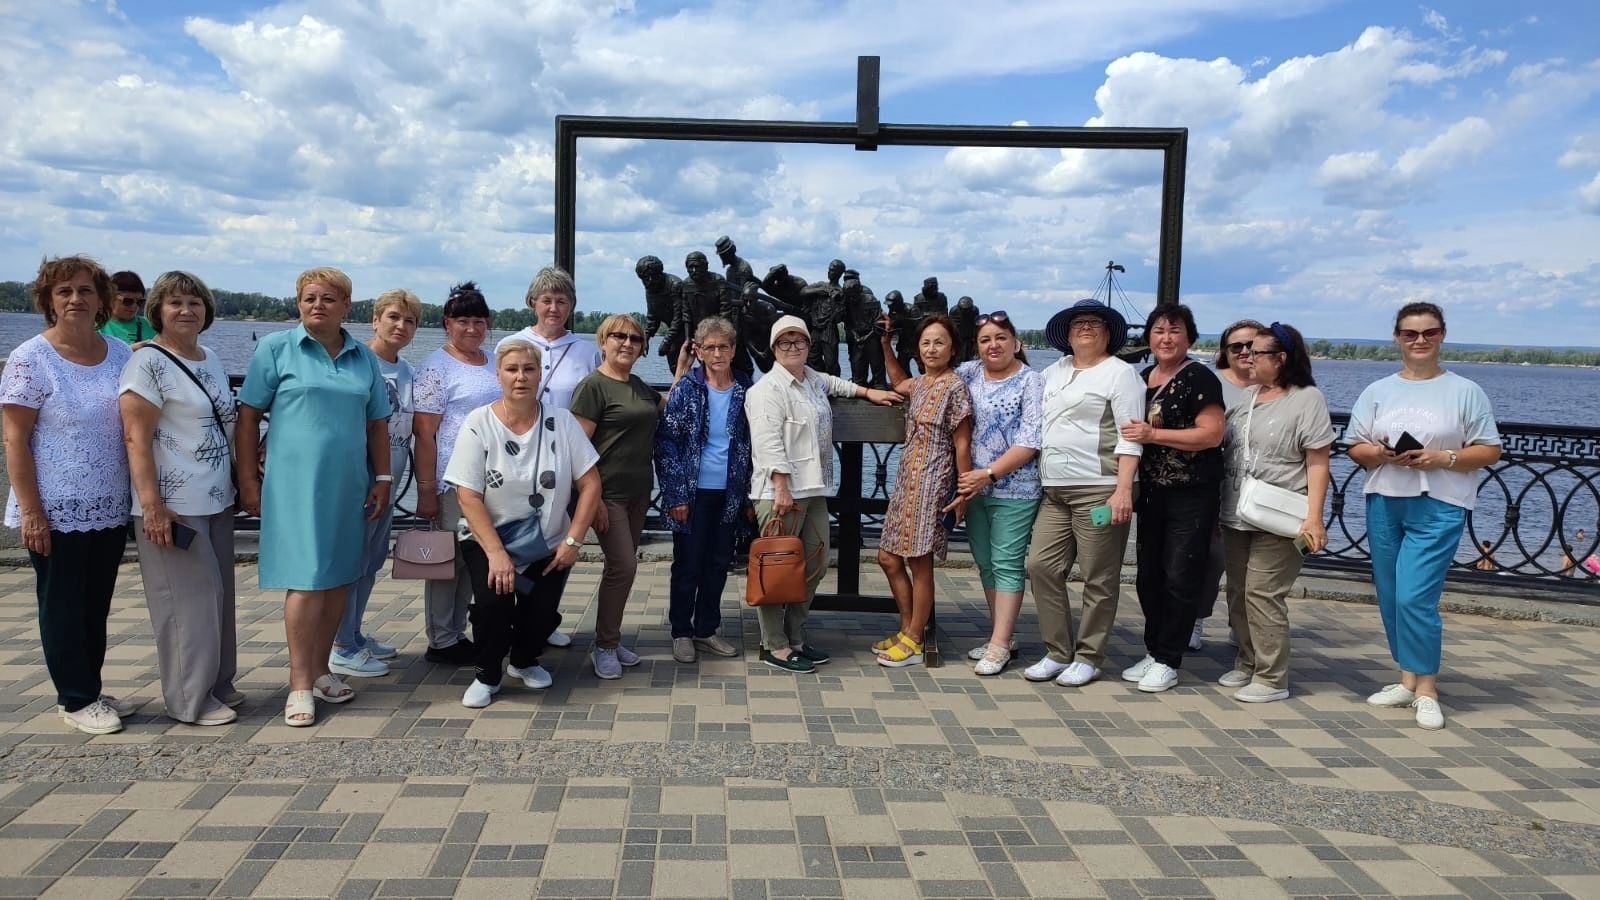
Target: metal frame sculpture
868	133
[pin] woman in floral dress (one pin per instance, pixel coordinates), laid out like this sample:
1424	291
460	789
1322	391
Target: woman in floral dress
938	448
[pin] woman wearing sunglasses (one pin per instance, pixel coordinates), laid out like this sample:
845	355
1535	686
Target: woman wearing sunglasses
1419	492
515	467
1279	434
1002	486
619	413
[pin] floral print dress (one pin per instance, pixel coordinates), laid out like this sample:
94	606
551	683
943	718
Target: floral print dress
926	479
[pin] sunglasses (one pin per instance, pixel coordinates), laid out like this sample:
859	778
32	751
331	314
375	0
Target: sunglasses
998	315
1410	336
626	337
1239	348
131	301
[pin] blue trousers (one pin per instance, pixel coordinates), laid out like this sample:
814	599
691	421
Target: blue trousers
1412	540
374	553
700	561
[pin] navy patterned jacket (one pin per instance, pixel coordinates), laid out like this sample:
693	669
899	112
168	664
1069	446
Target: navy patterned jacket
683	431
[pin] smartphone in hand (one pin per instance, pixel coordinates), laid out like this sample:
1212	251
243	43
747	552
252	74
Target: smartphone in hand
1100	516
1406	443
1303	544
182	535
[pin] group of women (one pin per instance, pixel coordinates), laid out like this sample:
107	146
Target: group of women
522	449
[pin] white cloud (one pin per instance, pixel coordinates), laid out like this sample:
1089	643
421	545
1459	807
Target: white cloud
1362	179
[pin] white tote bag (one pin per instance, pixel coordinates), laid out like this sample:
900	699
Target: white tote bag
1268	507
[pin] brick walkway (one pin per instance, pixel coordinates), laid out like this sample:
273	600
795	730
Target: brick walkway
731	779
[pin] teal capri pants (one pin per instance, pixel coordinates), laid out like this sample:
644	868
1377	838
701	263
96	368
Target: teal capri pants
998	530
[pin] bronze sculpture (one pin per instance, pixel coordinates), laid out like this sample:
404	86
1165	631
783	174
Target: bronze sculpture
965	317
904	321
931	300
862	312
662	299
738	272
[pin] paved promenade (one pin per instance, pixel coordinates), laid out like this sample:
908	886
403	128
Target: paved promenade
727	778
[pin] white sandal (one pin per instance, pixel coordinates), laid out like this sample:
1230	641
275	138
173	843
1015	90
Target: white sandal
330	689
299	711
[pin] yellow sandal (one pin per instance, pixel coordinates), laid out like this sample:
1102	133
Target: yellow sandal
883	646
905	652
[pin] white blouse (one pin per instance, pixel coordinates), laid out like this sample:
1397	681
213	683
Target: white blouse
79	460
449	388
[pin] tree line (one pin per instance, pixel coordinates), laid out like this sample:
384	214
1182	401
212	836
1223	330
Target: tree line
15	296
1388	352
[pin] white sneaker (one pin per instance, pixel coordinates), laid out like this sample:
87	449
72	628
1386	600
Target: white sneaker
123	708
1159	677
559	638
1260	693
96	718
1136	671
1429	715
360	664
1077	675
1234	678
478	694
534	677
1392	697
1044	670
1197	638
976	653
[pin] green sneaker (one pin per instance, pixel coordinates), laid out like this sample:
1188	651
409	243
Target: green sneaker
795	663
813	655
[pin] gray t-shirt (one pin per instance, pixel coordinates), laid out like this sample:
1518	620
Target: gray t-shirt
1281	431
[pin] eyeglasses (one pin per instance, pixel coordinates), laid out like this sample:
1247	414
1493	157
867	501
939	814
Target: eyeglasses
1410	336
1253	352
712	349
626	337
1088	323
1239	348
998	315
793	344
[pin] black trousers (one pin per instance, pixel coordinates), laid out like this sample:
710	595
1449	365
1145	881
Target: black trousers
518	624
700	561
1174	530
75	583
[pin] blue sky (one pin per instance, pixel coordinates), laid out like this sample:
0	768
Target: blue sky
1345	157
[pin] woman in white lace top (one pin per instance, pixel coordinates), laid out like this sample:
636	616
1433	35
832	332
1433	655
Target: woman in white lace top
69	480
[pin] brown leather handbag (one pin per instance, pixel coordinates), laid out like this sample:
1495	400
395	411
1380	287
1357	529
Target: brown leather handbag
777	573
424	554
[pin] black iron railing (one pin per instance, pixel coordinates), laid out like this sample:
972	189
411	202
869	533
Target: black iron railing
1538	510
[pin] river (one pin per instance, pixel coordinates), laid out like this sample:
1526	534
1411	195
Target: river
1546	395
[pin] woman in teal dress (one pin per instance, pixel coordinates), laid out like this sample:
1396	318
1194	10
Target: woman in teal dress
326	396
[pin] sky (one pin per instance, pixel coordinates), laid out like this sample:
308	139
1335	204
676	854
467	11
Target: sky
1344	157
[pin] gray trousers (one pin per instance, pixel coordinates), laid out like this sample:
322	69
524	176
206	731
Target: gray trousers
785	625
1262	568
447	603
1064	533
190	596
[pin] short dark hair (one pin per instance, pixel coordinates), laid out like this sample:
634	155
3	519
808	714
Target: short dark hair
128	282
1005	324
171	284
944	322
55	270
1419	308
1221	361
1296	371
466	302
1172	313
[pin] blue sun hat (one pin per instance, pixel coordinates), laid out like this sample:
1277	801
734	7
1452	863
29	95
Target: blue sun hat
1059	327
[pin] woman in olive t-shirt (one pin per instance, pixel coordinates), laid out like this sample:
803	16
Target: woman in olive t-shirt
619	412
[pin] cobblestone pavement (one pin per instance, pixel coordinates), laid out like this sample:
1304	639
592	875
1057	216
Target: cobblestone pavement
727	778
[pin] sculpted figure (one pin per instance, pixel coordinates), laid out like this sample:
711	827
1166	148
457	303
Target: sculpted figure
905	320
836	270
965	315
932	300
662	297
788	291
862	312
704	293
752	317
738	271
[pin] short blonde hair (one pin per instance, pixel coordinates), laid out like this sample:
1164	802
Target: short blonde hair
611	323
551	280
517	344
398	297
339	281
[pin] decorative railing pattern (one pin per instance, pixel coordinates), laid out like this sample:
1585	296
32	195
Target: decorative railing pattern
1532	506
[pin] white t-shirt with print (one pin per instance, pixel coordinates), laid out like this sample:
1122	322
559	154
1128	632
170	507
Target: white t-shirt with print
1447	412
506	467
401	381
79	459
192	448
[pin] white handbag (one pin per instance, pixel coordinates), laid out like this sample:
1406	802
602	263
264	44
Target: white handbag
1268	507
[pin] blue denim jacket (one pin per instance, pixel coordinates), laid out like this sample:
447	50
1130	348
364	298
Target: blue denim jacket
683	432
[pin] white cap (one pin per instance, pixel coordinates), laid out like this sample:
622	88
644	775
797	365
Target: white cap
789	323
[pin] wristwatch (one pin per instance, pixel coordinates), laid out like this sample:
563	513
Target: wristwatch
990	473
570	541
1452	464
383	478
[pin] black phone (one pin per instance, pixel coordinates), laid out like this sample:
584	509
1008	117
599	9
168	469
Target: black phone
1406	443
182	535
